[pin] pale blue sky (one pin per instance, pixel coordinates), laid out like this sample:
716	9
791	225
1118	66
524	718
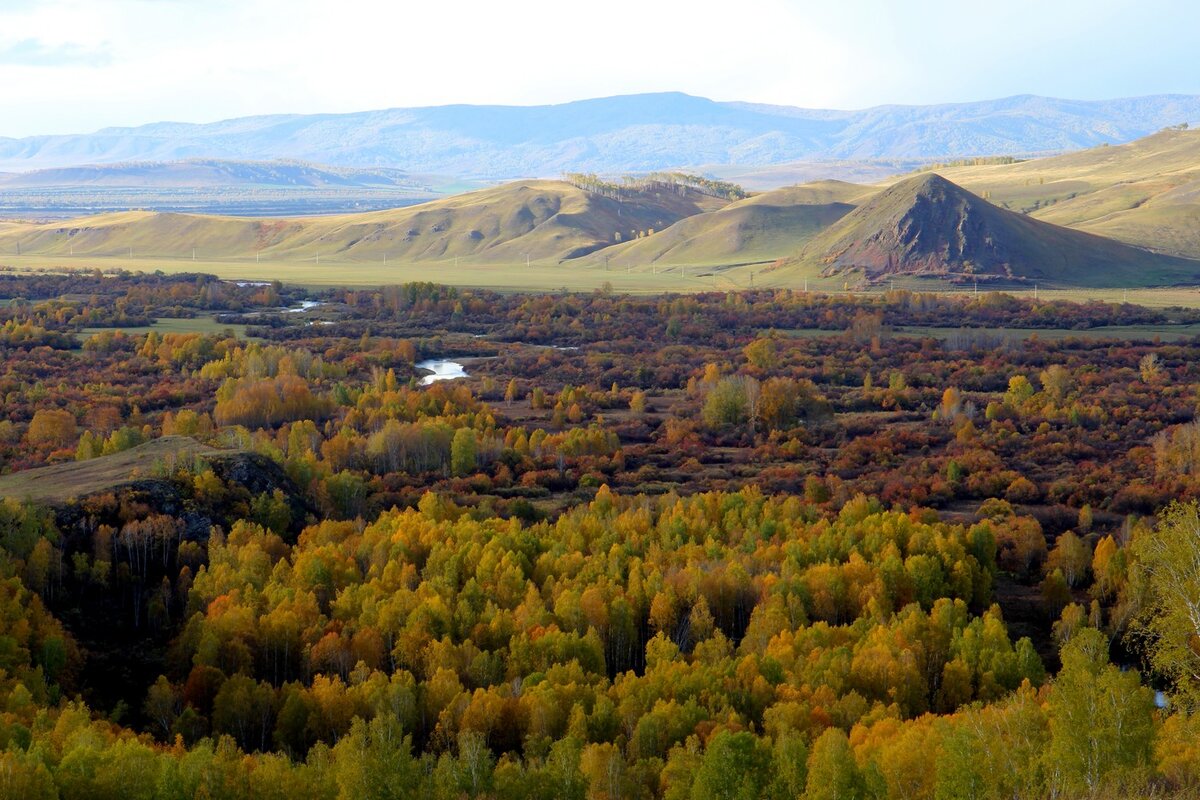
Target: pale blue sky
77	65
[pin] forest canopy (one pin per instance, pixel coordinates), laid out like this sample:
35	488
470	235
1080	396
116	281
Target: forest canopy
732	545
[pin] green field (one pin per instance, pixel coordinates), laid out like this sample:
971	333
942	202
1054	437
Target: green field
172	325
1165	333
517	277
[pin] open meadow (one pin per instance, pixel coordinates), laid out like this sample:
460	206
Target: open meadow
543	277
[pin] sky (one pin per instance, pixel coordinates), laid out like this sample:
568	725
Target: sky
74	66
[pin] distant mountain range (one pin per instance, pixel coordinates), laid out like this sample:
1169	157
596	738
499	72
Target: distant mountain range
210	173
213	186
619	134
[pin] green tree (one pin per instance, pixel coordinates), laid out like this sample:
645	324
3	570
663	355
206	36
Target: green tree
1166	563
375	762
791	767
727	402
1101	719
761	353
462	452
736	766
961	768
833	773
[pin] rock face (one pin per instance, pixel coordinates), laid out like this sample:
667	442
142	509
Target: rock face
246	475
928	226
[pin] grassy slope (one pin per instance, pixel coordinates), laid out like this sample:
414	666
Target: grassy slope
761	228
544	220
60	482
926	225
1146	192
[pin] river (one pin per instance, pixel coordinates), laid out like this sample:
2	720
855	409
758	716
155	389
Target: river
442	369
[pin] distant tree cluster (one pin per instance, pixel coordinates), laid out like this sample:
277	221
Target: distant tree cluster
633	185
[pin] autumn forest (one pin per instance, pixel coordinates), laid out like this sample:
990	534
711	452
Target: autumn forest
757	544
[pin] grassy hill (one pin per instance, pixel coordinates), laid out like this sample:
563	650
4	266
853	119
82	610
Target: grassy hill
512	223
761	228
61	482
1146	192
1054	220
930	227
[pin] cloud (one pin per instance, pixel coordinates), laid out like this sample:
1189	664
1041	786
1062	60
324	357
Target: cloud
36	53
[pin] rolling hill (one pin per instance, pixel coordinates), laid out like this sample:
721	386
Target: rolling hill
1146	192
619	134
526	220
927	226
761	228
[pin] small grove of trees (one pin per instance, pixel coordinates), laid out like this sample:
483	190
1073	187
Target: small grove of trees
631	185
776	403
